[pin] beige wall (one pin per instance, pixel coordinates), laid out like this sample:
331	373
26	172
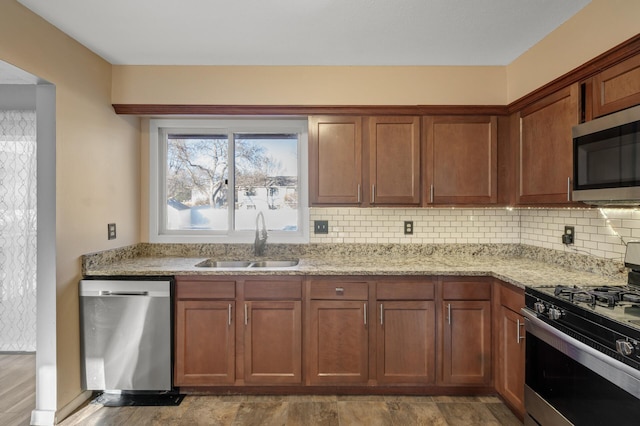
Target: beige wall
308	85
98	157
598	27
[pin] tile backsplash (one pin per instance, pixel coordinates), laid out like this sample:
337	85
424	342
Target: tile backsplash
598	232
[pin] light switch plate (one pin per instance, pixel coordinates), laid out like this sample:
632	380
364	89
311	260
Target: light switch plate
320	226
111	231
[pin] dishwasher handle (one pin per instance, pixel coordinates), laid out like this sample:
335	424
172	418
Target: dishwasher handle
123	293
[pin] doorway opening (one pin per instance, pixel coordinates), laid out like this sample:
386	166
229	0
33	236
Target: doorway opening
27	222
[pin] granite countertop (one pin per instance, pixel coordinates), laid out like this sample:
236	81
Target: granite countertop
511	267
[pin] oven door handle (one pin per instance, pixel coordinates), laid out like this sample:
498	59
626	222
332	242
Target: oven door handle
622	375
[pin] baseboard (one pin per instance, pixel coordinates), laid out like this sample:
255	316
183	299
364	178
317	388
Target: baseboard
42	418
72	406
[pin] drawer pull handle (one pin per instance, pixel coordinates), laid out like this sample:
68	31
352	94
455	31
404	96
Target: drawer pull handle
365	314
519	337
339	291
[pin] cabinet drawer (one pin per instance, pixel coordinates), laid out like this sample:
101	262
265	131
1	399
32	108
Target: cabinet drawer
205	289
339	290
405	290
466	290
511	297
272	290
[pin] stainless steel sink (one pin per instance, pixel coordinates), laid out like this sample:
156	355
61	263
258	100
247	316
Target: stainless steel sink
210	263
275	264
242	264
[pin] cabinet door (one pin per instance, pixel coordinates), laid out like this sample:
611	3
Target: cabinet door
466	350
511	358
205	343
338	342
617	88
273	342
546	148
461	160
394	160
335	160
406	342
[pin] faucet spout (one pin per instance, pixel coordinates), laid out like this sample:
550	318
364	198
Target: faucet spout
260	243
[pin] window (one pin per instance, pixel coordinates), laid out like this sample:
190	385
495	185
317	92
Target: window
209	179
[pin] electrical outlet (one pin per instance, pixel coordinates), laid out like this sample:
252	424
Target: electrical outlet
408	227
320	226
569	235
111	231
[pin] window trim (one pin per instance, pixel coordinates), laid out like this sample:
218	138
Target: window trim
157	156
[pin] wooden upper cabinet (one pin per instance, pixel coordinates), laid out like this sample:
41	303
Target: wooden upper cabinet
617	88
394	160
460	159
546	148
335	160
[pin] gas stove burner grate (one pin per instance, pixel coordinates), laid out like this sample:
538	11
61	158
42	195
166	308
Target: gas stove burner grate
602	296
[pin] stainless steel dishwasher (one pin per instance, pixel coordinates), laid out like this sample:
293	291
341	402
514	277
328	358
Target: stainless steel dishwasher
126	335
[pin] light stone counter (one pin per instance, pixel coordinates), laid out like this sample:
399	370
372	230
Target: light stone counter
510	263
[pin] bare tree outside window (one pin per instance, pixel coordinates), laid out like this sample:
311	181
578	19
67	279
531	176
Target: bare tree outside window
197	177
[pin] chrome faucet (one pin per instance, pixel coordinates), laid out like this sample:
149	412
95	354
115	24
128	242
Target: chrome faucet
261	236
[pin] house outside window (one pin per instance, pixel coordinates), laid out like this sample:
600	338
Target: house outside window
210	178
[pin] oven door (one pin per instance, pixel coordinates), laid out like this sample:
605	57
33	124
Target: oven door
568	382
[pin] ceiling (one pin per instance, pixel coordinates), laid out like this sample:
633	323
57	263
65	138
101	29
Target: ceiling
307	32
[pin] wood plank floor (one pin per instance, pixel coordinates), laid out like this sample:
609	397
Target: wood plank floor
17	388
305	410
17	399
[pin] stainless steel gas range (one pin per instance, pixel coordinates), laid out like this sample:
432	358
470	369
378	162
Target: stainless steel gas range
583	352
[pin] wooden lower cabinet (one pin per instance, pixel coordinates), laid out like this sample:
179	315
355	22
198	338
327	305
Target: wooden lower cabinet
205	343
511	358
510	368
338	351
273	342
466	351
405	331
406	342
467	343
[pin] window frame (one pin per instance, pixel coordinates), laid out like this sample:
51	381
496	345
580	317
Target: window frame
158	130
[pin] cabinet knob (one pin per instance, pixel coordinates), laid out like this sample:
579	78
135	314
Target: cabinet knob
624	347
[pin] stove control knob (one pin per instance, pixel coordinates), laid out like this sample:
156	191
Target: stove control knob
539	307
554	313
624	347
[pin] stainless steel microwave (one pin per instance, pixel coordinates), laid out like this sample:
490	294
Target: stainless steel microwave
606	159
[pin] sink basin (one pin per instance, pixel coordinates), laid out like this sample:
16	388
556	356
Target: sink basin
210	263
275	264
241	264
